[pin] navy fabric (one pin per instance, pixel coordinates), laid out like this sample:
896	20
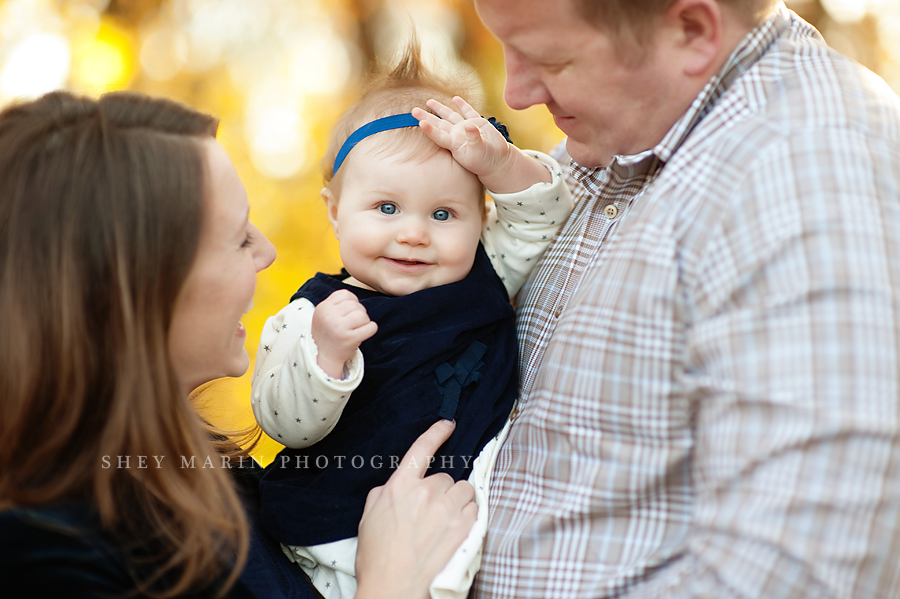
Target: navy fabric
50	552
61	551
316	495
268	574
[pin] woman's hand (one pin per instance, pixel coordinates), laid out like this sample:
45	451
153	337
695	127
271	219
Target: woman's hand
412	525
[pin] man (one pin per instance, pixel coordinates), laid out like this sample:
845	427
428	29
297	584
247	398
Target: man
710	349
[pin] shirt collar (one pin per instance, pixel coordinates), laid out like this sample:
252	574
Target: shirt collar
751	48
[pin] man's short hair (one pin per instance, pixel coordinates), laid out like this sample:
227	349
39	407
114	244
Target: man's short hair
633	20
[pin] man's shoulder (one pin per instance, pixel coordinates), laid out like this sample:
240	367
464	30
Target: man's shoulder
801	84
800	98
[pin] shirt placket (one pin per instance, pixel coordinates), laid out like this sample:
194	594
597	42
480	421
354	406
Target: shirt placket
609	194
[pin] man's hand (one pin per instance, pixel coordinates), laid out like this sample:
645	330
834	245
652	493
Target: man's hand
339	324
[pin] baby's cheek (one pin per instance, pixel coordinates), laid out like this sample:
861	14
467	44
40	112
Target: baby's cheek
463	263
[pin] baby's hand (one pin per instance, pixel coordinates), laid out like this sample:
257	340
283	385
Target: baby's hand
339	324
480	148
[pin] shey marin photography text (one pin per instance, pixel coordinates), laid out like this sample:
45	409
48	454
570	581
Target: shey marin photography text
320	462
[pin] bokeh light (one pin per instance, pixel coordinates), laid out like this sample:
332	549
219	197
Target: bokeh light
276	133
164	53
103	62
36	65
846	11
278	73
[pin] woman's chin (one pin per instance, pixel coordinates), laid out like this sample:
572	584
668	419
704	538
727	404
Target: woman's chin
241	365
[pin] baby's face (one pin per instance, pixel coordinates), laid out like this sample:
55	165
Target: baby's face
405	224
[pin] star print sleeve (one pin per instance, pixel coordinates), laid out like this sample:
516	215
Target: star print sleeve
520	225
294	401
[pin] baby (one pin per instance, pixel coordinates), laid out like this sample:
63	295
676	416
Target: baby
418	327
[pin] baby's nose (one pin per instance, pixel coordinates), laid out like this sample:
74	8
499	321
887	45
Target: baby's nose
413	232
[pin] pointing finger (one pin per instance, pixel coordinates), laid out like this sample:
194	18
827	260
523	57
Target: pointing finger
423	449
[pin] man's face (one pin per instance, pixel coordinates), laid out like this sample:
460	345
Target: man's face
604	104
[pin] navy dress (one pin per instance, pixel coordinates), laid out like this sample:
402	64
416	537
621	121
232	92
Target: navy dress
443	352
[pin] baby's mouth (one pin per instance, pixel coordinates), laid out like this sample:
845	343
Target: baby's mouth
409	265
409	262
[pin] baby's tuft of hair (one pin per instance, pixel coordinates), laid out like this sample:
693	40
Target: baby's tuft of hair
396	90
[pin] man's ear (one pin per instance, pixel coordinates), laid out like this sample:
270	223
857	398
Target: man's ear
696	28
331	204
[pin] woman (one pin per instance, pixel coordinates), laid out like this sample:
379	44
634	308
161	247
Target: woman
126	262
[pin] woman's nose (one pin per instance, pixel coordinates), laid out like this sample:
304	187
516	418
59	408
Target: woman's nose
265	253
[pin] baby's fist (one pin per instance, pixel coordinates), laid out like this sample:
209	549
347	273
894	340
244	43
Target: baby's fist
339	324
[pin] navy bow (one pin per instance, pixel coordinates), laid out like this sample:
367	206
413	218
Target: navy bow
452	379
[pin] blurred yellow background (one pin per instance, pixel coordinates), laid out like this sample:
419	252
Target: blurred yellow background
278	73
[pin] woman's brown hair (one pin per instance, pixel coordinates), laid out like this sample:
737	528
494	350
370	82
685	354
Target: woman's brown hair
101	207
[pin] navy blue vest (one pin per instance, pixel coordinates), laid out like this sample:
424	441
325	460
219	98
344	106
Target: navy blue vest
447	351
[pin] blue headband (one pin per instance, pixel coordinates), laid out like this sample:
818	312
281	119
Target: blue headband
395	121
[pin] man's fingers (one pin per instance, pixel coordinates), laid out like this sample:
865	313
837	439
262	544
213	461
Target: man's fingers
416	460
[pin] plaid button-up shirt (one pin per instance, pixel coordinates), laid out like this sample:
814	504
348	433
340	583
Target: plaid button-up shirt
710	353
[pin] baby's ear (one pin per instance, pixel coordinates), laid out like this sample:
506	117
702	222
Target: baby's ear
331	204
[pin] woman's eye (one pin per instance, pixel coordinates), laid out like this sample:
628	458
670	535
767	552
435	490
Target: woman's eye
441	215
248	241
388	209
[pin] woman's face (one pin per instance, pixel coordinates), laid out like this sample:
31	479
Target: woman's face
206	339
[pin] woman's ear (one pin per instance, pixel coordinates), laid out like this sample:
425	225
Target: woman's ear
331	204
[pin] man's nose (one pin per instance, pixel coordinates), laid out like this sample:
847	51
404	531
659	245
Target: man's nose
524	87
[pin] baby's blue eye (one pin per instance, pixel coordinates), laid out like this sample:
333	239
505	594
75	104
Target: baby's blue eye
388	209
441	215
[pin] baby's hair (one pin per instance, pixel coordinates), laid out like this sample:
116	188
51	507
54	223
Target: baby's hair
394	91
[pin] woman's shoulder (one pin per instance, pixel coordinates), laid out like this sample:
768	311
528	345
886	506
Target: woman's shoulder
59	552
62	551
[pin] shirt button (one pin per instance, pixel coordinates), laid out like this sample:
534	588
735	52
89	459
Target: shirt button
611	211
